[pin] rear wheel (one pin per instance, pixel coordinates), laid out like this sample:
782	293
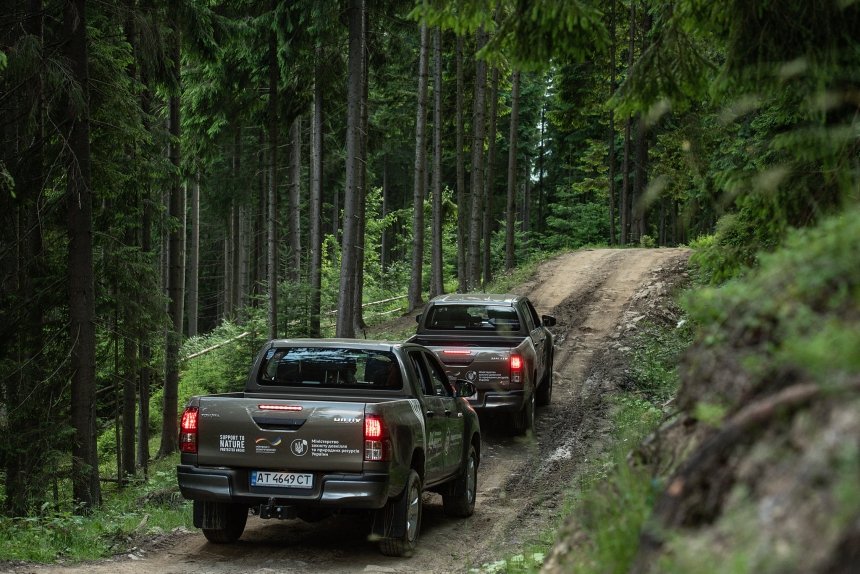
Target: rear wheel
229	520
524	419
408	508
544	392
459	500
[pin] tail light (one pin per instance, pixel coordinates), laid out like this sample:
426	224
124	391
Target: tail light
375	441
188	430
516	368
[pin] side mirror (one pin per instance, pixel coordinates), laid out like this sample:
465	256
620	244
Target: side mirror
464	388
547	320
418	317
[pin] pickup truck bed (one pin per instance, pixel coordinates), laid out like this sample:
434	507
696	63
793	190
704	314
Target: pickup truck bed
331	426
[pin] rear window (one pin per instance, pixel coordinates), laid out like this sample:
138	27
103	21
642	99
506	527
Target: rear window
473	318
319	367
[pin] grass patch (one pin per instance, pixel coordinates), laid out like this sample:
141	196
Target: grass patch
505	281
657	351
127	517
616	498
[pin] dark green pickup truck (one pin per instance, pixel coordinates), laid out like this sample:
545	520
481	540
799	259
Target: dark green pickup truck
327	426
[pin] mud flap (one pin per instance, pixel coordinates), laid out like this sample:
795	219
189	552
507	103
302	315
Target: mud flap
390	520
210	514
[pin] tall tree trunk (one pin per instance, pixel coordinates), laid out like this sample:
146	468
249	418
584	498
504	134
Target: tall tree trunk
295	224
490	183
415	298
336	226
130	343
194	258
259	257
27	388
358	323
316	200
129	393
611	137
477	180
145	349
243	266
175	278
527	198
146	368
236	227
462	198
227	264
512	172
639	206
541	151
436	279
81	283
384	245
346	303
642	139
272	196
626	191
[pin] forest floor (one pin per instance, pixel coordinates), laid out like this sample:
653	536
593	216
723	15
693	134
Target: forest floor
597	296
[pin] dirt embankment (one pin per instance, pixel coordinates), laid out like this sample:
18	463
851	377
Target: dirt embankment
596	296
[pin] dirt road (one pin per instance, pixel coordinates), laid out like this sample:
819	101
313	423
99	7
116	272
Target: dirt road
521	481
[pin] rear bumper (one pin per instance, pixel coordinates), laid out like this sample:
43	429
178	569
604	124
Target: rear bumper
342	490
492	401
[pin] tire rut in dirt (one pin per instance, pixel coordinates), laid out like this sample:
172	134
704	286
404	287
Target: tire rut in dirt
569	428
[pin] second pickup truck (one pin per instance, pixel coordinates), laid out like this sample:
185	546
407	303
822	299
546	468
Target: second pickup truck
499	343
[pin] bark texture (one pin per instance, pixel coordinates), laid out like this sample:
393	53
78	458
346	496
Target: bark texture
415	297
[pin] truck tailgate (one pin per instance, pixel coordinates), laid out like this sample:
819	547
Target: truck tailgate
281	434
486	367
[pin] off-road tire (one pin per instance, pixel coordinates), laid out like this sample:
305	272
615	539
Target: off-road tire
235	518
524	419
544	392
409	507
459	499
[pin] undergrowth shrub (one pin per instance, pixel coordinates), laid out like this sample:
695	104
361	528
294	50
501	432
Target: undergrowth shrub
796	313
658	349
114	527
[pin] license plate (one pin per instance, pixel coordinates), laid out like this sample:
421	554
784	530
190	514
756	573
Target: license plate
282	479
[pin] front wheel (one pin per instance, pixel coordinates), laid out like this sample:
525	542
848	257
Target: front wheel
408	509
228	521
459	499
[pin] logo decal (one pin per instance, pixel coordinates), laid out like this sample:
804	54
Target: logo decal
264	445
266	441
231	443
471	376
299	447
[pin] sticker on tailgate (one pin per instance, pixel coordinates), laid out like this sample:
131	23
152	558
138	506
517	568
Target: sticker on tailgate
265	445
231	443
329	447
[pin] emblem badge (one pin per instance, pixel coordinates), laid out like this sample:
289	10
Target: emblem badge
299	447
